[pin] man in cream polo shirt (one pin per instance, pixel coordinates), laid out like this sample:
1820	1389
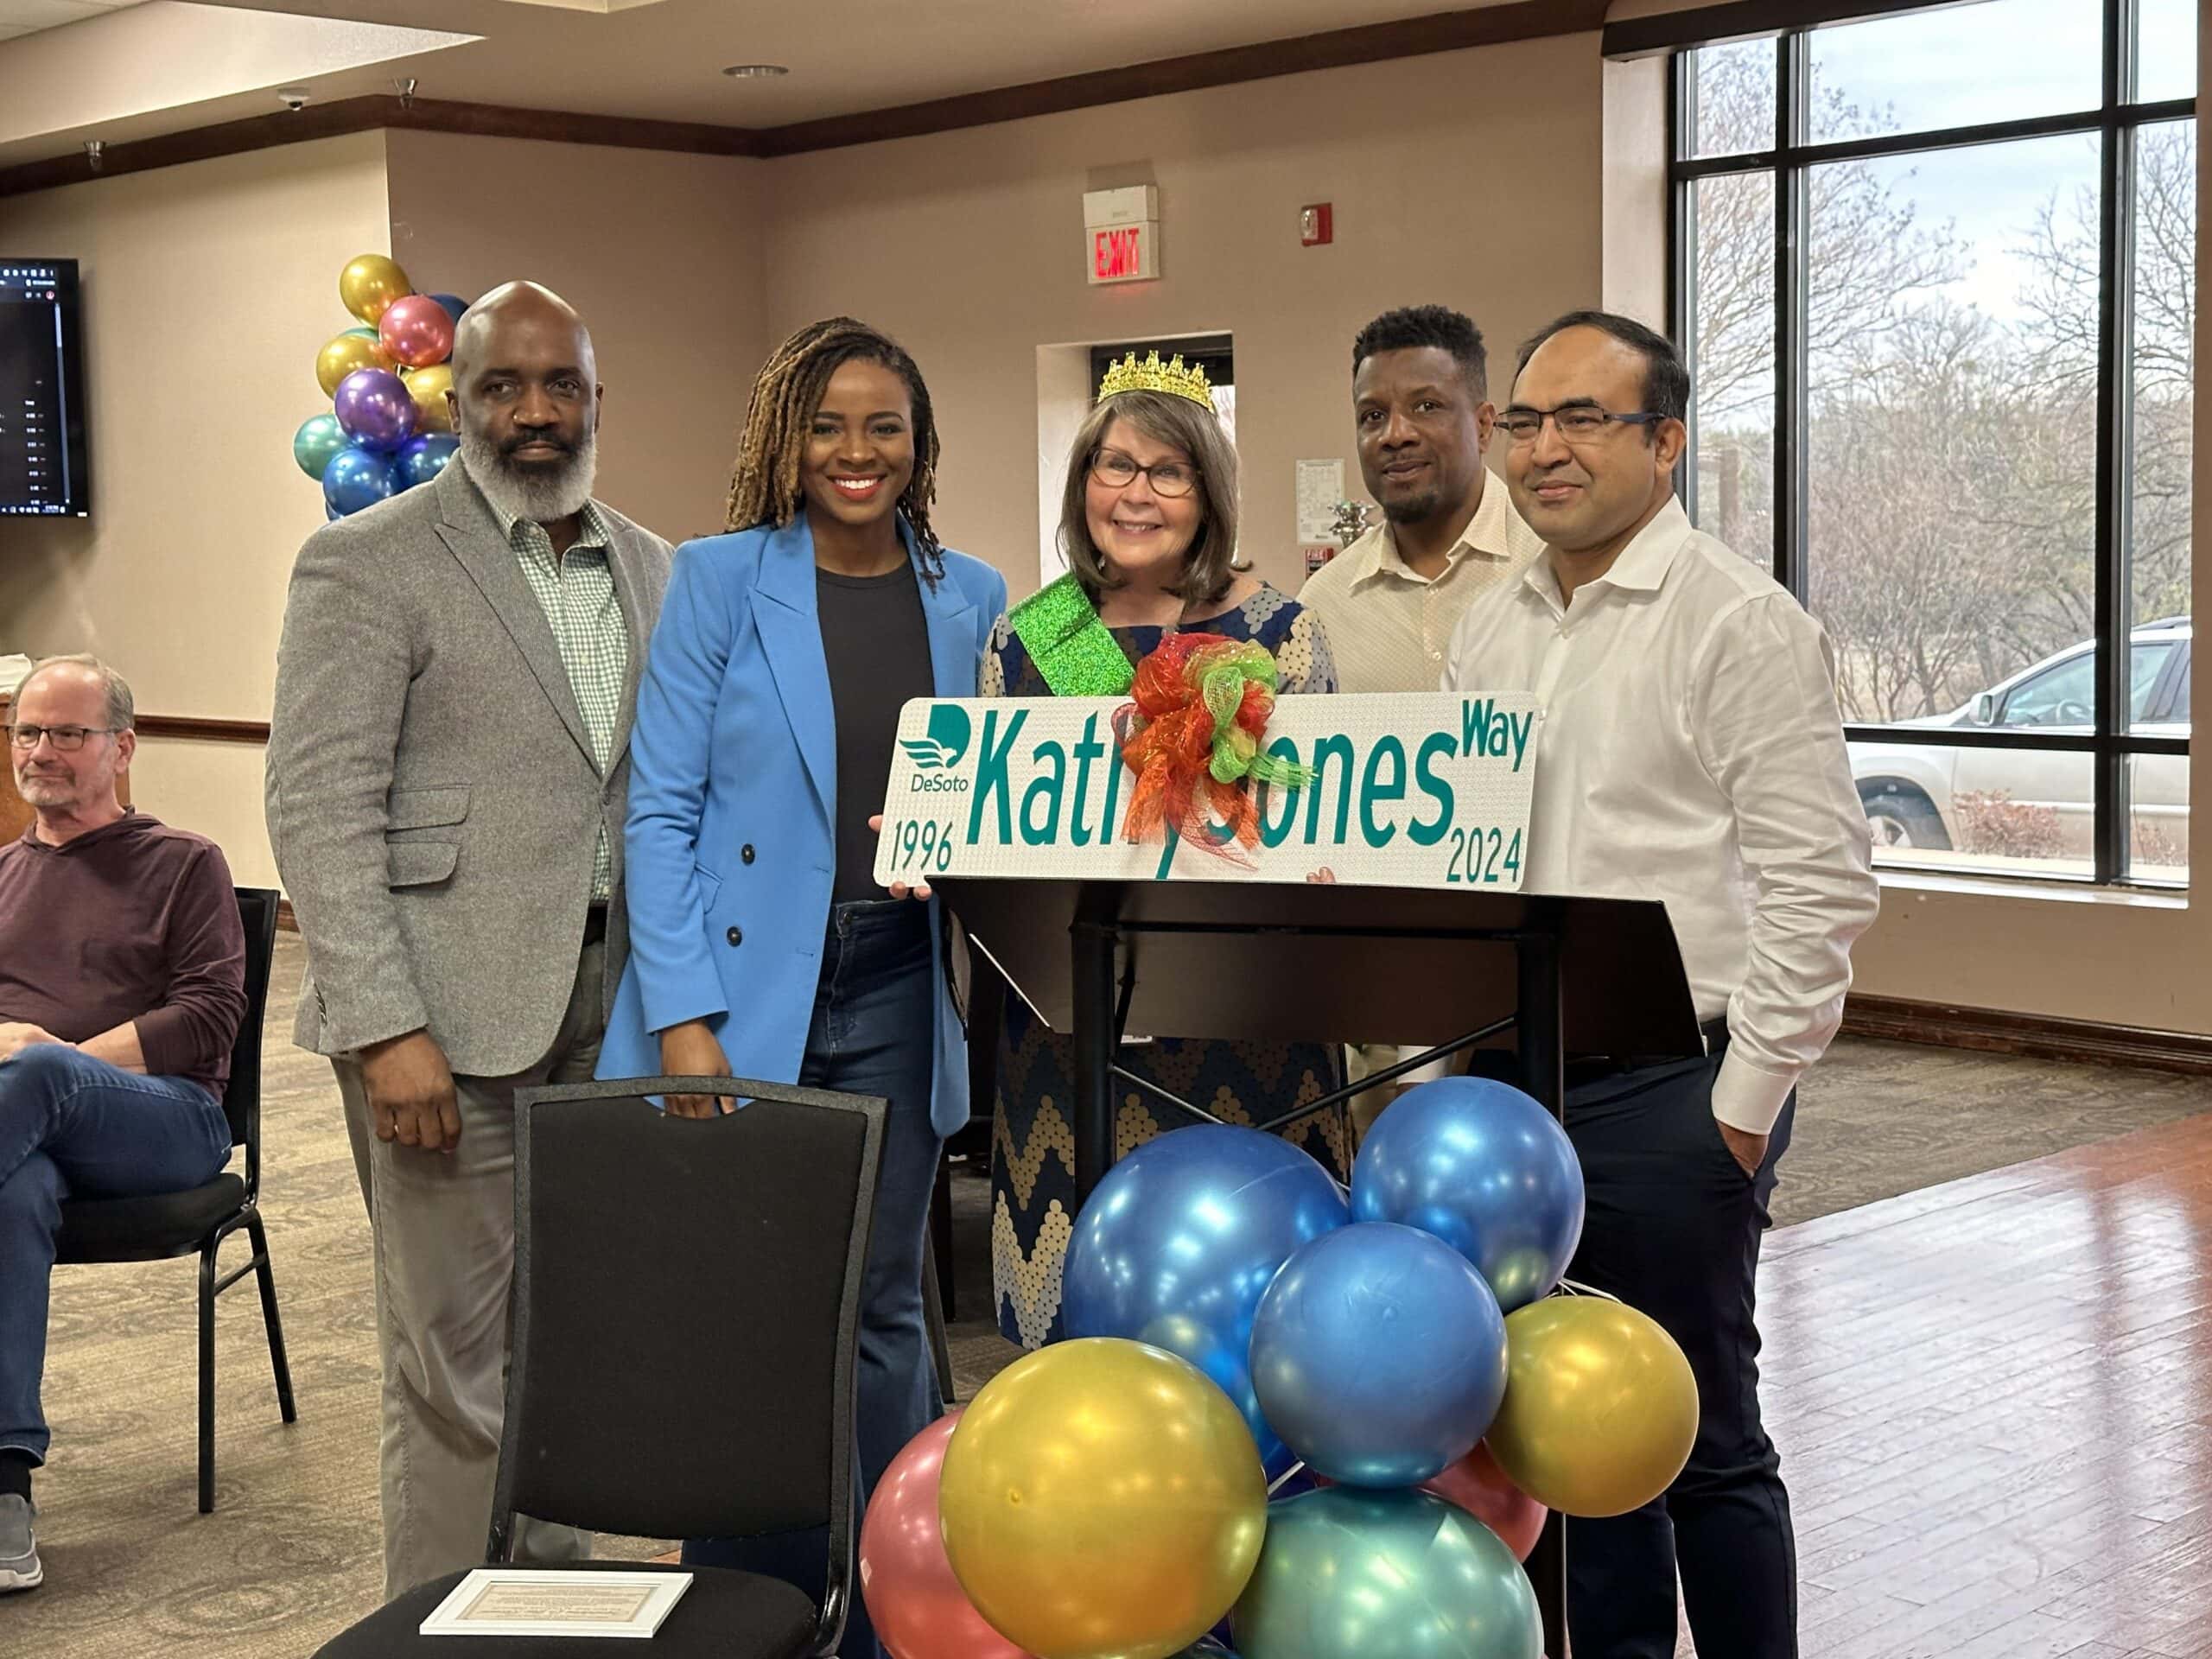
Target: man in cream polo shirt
1422	417
1691	752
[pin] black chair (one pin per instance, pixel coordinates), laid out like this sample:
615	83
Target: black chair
686	1314
178	1223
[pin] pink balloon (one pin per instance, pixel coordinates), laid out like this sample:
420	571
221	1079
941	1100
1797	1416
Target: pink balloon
919	1610
1478	1485
416	331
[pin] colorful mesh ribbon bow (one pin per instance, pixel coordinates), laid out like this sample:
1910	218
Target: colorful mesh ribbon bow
1192	735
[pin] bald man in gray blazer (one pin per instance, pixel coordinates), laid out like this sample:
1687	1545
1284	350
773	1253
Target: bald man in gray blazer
448	774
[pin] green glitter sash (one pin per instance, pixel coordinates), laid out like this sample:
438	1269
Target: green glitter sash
1072	649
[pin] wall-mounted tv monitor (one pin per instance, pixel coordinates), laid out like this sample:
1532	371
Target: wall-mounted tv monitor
45	459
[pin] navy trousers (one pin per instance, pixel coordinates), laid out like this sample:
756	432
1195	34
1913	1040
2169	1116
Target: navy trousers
1672	1229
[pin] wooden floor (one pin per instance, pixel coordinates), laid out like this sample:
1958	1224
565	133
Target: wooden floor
1994	1400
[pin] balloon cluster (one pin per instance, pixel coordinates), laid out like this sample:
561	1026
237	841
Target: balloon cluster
388	428
1392	1359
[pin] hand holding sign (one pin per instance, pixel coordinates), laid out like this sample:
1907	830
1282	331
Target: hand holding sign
900	889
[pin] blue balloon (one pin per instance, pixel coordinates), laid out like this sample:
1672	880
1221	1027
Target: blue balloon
453	303
357	478
1378	1354
1180	1242
1347	1574
1484	1168
420	460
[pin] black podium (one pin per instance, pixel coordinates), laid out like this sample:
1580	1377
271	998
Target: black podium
1333	963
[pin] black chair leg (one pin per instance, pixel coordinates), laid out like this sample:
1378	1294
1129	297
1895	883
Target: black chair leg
933	1316
208	1372
271	1318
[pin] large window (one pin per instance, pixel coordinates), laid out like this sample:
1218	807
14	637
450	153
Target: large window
1935	276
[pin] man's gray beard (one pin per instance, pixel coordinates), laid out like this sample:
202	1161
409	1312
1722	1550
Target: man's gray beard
538	495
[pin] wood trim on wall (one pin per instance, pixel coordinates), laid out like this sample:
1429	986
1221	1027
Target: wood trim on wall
286	922
207	731
1991	1030
373	113
1447	31
1641	37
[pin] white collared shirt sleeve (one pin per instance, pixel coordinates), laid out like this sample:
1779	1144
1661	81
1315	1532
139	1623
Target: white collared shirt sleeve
1764	709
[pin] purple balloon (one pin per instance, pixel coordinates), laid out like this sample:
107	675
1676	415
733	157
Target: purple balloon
374	409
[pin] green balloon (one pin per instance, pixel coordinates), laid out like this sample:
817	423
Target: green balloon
363	332
319	438
1352	1575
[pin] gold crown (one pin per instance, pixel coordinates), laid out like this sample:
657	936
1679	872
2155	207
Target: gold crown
1173	377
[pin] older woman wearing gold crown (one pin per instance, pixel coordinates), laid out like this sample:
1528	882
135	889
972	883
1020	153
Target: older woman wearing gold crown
1148	529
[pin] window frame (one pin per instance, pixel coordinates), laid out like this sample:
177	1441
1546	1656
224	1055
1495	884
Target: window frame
1788	160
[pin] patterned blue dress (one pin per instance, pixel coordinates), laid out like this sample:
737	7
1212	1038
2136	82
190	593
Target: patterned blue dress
1033	1140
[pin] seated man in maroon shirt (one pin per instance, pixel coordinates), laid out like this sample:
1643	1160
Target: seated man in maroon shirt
122	984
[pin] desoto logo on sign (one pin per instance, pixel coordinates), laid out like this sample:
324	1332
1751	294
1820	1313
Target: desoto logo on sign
946	742
1426	789
935	754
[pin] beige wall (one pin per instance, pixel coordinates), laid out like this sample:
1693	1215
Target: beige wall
663	254
1469	178
208	288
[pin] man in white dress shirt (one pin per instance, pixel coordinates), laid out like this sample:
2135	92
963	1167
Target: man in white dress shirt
1690	752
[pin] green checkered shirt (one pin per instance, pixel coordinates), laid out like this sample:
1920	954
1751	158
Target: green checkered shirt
577	593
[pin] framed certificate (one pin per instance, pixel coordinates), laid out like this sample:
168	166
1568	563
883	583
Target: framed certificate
518	1601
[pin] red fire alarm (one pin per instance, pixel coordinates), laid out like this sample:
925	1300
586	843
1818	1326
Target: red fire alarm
1316	225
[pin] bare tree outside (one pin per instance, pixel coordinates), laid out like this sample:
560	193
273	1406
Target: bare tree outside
1951	468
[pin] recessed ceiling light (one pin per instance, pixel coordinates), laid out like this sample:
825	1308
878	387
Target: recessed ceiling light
755	71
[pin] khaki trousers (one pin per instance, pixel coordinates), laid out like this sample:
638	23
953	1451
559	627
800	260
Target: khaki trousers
1362	1059
444	1231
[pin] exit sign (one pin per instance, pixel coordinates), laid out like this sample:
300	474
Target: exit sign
1122	253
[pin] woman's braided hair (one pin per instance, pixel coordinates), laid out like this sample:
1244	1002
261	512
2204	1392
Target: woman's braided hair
764	486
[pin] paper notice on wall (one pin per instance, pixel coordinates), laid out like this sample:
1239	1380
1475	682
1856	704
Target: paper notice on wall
1321	486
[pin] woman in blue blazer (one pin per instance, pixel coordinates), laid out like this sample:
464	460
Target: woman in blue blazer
760	945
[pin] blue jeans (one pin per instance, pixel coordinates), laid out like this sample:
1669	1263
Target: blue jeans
74	1126
874	1019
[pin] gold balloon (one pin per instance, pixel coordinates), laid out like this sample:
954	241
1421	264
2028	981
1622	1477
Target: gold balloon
341	355
427	387
1102	1499
370	284
1600	1407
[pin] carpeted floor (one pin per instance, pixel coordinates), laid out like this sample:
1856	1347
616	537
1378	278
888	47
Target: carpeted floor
291	1553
